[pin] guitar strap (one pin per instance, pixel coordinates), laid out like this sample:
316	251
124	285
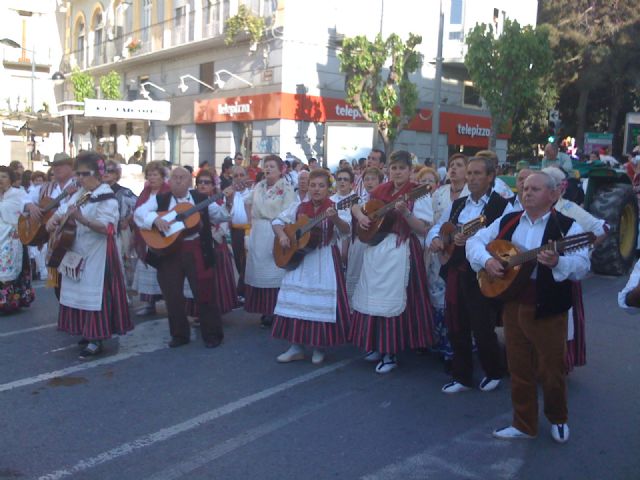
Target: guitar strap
509	225
102	198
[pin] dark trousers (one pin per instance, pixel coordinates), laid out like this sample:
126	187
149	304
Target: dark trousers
477	316
535	352
172	271
239	255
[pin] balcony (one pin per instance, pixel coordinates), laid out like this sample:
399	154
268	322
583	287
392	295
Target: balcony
187	26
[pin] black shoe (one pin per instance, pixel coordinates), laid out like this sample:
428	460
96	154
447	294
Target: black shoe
91	350
178	342
213	343
266	321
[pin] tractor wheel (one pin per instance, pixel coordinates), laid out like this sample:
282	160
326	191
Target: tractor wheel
618	205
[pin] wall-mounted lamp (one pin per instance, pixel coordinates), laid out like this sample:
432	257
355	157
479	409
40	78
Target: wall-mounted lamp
145	93
221	83
184	87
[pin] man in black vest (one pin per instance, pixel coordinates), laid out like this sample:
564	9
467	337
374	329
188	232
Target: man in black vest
194	260
535	322
467	311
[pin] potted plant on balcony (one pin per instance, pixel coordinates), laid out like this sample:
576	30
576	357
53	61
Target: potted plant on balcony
244	22
134	45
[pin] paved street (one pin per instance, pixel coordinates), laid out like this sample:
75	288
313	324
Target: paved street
144	411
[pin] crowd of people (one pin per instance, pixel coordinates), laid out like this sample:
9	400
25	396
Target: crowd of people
401	281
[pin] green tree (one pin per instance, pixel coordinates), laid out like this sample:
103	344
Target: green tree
595	45
510	71
110	86
389	102
83	85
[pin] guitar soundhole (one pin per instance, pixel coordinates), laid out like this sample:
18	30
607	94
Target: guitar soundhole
298	235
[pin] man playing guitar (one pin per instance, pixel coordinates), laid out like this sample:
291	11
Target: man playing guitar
194	260
535	322
467	310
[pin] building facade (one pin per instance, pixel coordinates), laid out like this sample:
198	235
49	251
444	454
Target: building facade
282	94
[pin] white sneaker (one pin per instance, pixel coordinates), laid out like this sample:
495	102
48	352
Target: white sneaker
318	357
560	432
511	433
455	387
387	364
487	384
373	356
294	353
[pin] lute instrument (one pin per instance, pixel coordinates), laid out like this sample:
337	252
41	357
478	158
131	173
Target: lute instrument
64	235
377	211
449	230
304	236
519	265
184	220
34	232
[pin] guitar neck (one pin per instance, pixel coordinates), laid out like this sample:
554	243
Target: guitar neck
341	205
572	242
471	227
199	206
530	255
56	202
415	193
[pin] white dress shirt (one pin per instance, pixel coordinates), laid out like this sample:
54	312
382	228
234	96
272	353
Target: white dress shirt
239	211
472	209
632	283
147	213
33	195
573	265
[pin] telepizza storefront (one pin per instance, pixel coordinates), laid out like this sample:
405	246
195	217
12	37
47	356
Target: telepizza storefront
284	123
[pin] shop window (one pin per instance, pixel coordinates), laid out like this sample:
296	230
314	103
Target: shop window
471	96
175	138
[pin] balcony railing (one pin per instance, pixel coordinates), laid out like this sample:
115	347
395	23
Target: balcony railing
188	26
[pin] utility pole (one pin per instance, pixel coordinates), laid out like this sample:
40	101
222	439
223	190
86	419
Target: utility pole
435	114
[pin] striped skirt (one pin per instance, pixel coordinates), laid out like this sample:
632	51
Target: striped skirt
319	334
113	318
225	293
260	300
145	282
412	329
18	293
576	348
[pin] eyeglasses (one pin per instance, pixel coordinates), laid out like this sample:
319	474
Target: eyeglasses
111	170
343	179
84	173
204	182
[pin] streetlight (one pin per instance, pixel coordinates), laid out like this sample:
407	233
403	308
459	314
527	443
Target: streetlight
13	44
145	93
220	83
184	87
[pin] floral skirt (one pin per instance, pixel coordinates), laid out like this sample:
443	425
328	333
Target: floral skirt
18	293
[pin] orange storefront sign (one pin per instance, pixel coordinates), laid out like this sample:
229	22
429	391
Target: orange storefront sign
461	129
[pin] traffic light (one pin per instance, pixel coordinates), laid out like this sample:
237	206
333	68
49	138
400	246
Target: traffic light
554	125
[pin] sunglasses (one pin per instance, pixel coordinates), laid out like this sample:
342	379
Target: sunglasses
204	182
343	179
111	170
85	173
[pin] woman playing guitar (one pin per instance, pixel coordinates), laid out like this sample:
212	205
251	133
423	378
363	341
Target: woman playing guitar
391	310
93	300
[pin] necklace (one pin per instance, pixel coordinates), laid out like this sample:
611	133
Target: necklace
457	191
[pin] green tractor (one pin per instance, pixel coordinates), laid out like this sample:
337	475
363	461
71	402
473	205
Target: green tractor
609	195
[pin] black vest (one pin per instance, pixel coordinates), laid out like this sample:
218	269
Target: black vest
206	239
493	210
552	297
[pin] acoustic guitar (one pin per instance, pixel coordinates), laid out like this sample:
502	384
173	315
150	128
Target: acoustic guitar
184	220
449	230
64	235
304	237
34	232
377	211
520	265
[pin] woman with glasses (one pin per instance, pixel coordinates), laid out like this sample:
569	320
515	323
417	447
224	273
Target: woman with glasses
15	275
344	187
145	279
225	286
271	196
93	300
